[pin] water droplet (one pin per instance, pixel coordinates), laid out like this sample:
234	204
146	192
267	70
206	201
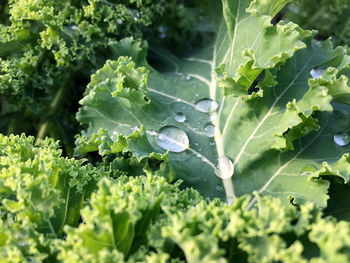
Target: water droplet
212	143
200	149
152	133
196	143
180	117
342	139
135	128
317	72
119	21
74	27
183	107
173	139
196	95
225	168
185	77
206	105
209	130
219	188
317	43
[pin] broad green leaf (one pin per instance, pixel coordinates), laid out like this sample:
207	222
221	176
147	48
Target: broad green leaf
242	114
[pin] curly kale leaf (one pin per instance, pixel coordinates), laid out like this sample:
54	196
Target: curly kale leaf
48	50
255	110
40	187
145	219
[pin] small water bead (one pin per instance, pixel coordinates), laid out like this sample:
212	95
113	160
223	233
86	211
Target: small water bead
206	105
135	128
209	130
152	133
162	30
180	117
316	43
341	139
173	139
196	143
185	77
317	72
225	168
219	188
119	21
183	107
212	143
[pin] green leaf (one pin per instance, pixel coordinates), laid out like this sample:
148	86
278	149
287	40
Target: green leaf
242	114
39	186
120	214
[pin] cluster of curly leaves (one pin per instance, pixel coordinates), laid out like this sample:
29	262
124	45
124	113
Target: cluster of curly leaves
48	50
55	209
250	117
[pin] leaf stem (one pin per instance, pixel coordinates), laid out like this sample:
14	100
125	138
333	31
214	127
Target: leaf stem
311	21
52	109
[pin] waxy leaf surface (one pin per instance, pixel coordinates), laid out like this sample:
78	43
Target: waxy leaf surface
240	115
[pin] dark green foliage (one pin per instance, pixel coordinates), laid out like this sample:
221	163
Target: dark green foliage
329	17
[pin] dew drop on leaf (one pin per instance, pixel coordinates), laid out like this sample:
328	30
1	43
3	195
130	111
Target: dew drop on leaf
317	72
173	139
135	128
152	133
196	143
342	139
180	117
219	188
209	130
225	168
206	105
185	77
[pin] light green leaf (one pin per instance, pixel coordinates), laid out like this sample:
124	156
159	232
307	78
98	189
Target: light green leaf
272	130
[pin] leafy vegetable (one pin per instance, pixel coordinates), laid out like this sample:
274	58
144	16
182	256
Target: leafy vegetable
49	49
272	129
222	96
40	187
330	18
145	219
